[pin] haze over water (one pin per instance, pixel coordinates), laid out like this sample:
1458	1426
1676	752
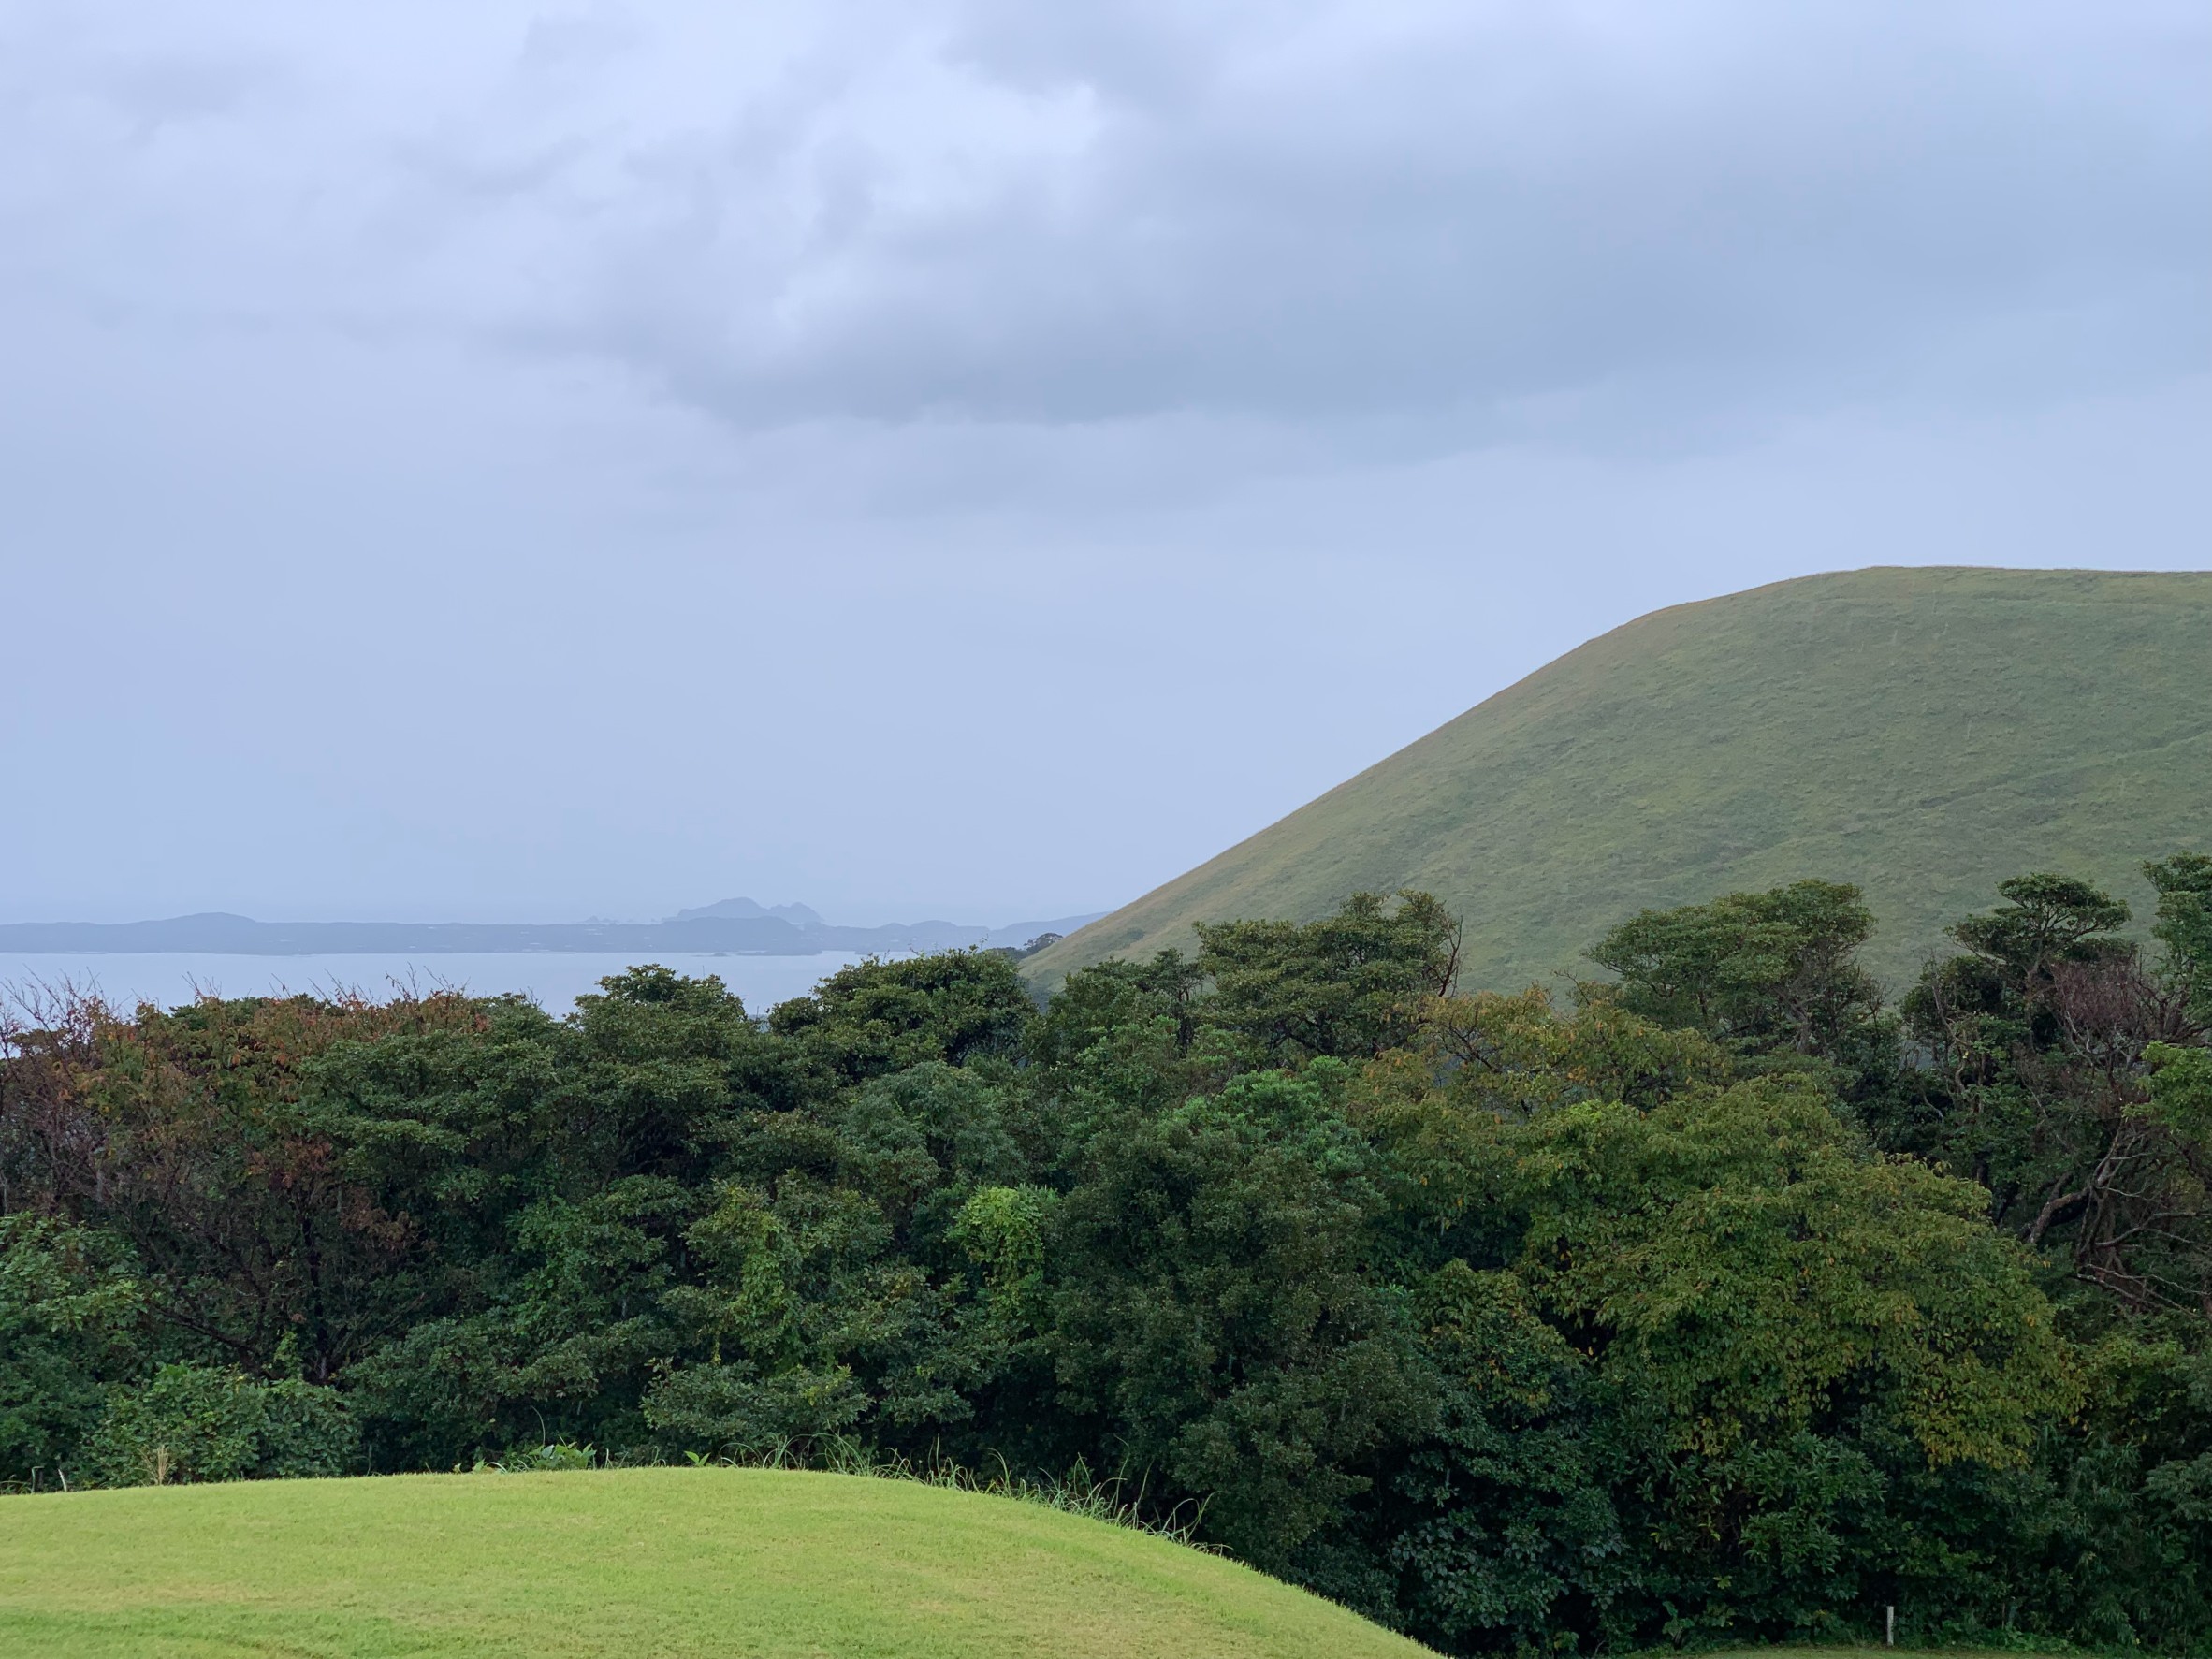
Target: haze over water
553	979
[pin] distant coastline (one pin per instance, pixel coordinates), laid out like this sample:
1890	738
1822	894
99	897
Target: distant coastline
760	935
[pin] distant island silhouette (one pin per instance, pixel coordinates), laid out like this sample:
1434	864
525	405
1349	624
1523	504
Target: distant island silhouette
736	926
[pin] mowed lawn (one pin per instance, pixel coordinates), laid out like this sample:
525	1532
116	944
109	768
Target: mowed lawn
637	1562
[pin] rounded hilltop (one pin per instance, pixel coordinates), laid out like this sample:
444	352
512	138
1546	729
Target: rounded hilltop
766	1563
1923	732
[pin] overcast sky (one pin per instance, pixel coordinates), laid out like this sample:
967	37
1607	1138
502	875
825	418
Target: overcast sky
499	460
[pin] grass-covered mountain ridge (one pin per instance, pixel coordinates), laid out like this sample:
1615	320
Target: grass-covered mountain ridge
1922	733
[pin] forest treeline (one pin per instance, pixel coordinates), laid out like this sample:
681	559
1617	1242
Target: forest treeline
1716	1300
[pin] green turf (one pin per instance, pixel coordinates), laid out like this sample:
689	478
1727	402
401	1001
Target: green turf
638	1562
1923	733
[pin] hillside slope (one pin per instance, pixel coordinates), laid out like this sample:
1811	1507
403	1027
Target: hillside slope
668	1561
1923	733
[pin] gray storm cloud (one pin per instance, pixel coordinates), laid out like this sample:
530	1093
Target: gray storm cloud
471	377
1508	218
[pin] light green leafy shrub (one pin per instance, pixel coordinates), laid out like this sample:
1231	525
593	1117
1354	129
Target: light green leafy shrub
191	1423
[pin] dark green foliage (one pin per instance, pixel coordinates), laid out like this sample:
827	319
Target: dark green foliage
2136	1491
2046	920
186	1137
1114	998
1349	986
2184	925
1694	1311
733	1410
1499	1526
1765	973
2039	1050
1673	1244
877	1017
71	1318
191	1423
1215	1310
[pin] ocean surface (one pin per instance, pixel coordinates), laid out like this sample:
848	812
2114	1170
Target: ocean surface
553	979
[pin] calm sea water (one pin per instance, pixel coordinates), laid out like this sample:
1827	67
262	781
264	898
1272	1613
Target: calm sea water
553	979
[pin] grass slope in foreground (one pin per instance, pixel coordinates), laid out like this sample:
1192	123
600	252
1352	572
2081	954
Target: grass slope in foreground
666	1562
1923	732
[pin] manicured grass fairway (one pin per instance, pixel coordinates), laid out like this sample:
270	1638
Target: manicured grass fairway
637	1562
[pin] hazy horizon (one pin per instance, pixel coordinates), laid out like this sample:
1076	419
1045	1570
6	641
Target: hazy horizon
962	461
862	919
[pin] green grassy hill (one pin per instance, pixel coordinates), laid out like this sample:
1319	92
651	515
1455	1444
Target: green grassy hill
1923	733
666	1562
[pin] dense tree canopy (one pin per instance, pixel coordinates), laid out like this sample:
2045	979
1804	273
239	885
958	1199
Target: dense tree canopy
1719	1302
